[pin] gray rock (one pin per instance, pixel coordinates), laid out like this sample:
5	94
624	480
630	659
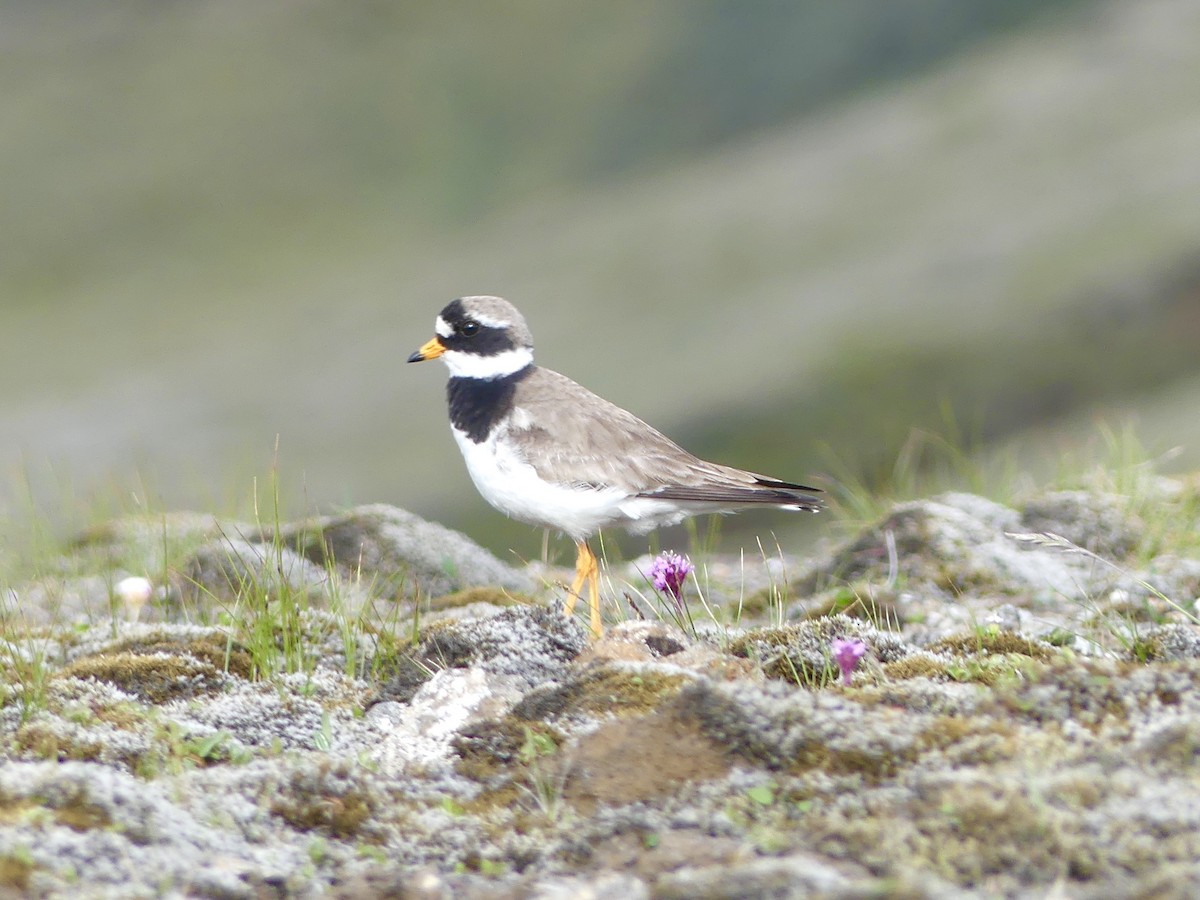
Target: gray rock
955	544
529	644
110	831
421	739
509	756
66	599
791	878
952	562
400	554
610	886
149	544
1173	641
1098	522
233	569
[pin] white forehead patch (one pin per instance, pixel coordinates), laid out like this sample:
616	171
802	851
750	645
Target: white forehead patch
442	328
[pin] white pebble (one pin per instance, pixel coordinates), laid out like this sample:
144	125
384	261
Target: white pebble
134	590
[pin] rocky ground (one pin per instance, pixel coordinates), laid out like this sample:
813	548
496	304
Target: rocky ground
370	705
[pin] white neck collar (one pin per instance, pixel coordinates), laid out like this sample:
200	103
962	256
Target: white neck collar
471	365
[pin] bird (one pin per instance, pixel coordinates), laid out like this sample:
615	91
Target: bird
545	450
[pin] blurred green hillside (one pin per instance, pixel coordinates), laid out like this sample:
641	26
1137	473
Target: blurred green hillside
764	227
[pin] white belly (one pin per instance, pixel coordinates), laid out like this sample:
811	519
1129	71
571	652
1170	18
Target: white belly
510	484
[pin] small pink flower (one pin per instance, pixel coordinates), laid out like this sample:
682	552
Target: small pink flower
668	573
847	653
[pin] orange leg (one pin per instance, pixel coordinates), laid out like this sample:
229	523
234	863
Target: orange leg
586	569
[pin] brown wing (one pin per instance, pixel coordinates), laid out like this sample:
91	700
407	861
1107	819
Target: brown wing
575	437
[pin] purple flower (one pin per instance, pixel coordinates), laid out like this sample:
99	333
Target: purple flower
847	653
669	572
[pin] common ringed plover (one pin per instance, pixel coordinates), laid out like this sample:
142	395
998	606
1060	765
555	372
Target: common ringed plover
547	451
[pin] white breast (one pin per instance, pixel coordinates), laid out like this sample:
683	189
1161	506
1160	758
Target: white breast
509	483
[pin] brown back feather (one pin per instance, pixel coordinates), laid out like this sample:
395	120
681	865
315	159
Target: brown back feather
582	439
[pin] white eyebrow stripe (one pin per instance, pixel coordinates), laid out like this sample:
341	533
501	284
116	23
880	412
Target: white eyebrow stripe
489	322
442	328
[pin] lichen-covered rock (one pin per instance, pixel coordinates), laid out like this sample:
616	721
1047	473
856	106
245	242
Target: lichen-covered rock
149	544
954	544
197	565
957	562
400	553
68	598
792	877
1024	718
802	653
1172	641
231	569
419	734
1101	523
110	830
530	644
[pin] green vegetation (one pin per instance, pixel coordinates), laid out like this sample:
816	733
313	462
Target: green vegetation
546	776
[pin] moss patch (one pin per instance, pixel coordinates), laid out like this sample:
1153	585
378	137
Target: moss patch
444	646
215	649
971	741
341	816
16	868
1089	691
155	679
987	642
505	755
508	758
82	816
985	829
990	670
402	676
795	653
601	689
123	716
916	666
637	759
43	742
330	800
494	596
487	749
75	811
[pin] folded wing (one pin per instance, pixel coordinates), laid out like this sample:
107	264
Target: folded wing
576	438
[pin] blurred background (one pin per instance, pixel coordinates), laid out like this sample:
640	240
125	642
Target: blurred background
786	233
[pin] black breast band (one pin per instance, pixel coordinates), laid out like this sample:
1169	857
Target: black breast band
477	404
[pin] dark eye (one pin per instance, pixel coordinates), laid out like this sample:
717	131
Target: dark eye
468	328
